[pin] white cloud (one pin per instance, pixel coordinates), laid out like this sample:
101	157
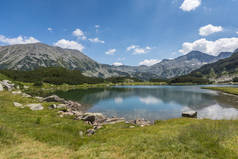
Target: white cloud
110	52
149	100
79	34
97	26
209	29
138	50
50	29
96	40
117	64
18	40
67	44
189	5
150	62
237	32
211	47
131	47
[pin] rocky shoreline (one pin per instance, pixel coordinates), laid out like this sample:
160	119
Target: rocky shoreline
74	109
70	108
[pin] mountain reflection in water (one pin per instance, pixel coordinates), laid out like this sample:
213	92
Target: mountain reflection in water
154	102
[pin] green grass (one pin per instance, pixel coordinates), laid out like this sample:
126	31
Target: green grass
229	90
42	134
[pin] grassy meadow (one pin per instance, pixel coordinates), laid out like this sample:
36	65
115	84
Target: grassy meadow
43	134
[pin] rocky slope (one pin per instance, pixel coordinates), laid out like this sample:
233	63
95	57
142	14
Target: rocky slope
220	71
32	56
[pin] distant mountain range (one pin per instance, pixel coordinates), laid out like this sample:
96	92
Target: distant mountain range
220	71
32	56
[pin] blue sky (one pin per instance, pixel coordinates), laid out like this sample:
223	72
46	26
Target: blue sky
129	32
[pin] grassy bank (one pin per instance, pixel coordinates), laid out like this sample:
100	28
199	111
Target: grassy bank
229	90
42	134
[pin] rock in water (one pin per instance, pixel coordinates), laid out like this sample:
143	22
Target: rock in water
35	106
189	114
1	87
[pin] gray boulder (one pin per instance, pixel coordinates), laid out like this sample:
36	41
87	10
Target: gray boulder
35	106
1	87
8	85
189	114
16	104
54	98
141	122
16	92
94	117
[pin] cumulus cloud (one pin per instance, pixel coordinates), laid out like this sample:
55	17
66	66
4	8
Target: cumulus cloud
79	34
110	52
189	5
211	47
149	62
50	29
117	64
136	49
67	44
209	29
18	40
96	40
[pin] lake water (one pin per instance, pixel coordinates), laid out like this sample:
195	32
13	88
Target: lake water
155	102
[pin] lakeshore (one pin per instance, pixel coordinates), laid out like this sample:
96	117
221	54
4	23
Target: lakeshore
44	134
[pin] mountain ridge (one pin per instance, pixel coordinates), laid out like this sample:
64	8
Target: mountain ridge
32	56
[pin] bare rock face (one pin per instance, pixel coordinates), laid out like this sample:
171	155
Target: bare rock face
189	114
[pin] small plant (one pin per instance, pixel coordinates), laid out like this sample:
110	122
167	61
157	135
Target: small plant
38	120
38	83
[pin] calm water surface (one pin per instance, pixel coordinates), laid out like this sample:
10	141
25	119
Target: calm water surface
155	102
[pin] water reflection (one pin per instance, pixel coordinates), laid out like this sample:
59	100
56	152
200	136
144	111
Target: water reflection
155	103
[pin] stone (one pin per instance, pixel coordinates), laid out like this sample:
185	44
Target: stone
57	106
25	87
114	120
189	114
81	133
74	106
17	104
1	87
26	95
131	126
90	132
16	92
8	85
35	106
141	122
54	98
39	98
94	117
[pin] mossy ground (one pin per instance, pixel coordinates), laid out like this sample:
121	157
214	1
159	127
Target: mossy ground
42	134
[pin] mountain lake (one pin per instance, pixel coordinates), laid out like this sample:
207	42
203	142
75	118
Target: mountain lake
155	102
